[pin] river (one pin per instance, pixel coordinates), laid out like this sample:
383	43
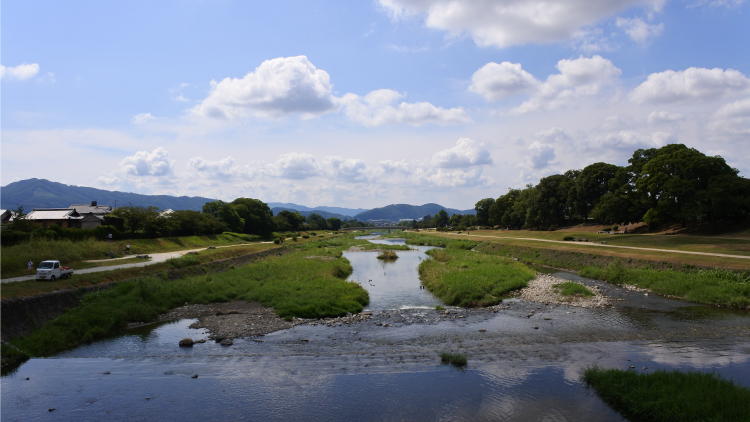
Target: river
389	371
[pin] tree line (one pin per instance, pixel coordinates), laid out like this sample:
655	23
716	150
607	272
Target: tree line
671	184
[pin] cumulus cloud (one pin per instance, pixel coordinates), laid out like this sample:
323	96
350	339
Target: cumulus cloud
143	118
732	119
690	84
552	135
224	169
378	108
294	166
541	155
503	23
657	117
638	30
497	81
629	141
20	72
144	163
466	153
581	77
277	87
350	169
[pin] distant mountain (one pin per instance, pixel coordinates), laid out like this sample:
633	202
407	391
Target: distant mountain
349	212
400	211
41	193
324	214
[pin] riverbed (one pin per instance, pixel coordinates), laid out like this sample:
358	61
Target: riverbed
386	367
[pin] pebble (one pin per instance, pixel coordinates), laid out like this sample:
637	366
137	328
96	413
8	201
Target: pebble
481	330
535	327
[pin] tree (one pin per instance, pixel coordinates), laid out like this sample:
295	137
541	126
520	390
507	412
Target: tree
334	223
213	208
293	220
256	214
590	185
442	219
228	214
20	223
317	222
483	211
137	217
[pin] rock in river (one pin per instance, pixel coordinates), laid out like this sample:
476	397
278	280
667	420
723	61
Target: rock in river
227	342
186	342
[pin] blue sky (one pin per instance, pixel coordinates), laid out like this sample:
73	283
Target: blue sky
363	104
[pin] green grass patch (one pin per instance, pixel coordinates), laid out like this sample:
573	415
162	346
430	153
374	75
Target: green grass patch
573	289
292	285
388	255
188	260
710	286
455	359
439	308
464	278
670	395
443	242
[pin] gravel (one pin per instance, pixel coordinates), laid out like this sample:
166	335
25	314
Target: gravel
540	290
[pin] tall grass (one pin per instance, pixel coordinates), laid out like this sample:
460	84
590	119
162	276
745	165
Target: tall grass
14	258
570	288
667	396
292	285
711	286
388	256
463	278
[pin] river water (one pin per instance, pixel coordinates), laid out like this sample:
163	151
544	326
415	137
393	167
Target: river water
372	372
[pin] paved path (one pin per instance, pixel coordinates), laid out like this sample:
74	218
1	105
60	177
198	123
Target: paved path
155	259
600	245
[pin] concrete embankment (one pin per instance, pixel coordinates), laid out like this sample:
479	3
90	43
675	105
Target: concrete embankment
21	316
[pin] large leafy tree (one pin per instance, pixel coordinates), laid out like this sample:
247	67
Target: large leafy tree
317	222
590	185
442	219
483	211
256	214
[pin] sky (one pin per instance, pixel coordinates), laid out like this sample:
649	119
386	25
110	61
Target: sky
362	104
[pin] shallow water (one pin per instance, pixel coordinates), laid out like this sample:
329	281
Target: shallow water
370	372
392	284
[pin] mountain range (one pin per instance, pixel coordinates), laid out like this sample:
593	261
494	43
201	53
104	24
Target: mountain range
41	193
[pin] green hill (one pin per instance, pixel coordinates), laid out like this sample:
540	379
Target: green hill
41	193
397	212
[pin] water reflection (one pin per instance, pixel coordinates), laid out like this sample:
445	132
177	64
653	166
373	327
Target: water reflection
394	284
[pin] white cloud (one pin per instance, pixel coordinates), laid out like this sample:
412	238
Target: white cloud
629	141
455	178
552	135
497	81
277	87
224	169
638	30
351	169
20	72
732	119
377	108
144	163
690	84
657	117
466	153
503	23
581	77
716	3
143	118
294	166
541	155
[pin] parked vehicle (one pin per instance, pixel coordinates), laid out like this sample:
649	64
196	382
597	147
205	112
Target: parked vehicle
52	270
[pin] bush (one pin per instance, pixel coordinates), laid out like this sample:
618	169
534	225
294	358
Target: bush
607	229
568	238
276	241
183	261
294	238
615	227
552	228
304	236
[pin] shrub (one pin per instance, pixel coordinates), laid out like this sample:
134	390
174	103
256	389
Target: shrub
568	238
615	227
552	228
183	261
294	238
304	236
277	241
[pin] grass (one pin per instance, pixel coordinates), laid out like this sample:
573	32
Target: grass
573	289
455	359
31	287
709	286
292	285
14	258
464	278
439	308
540	240
427	240
388	255
667	396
